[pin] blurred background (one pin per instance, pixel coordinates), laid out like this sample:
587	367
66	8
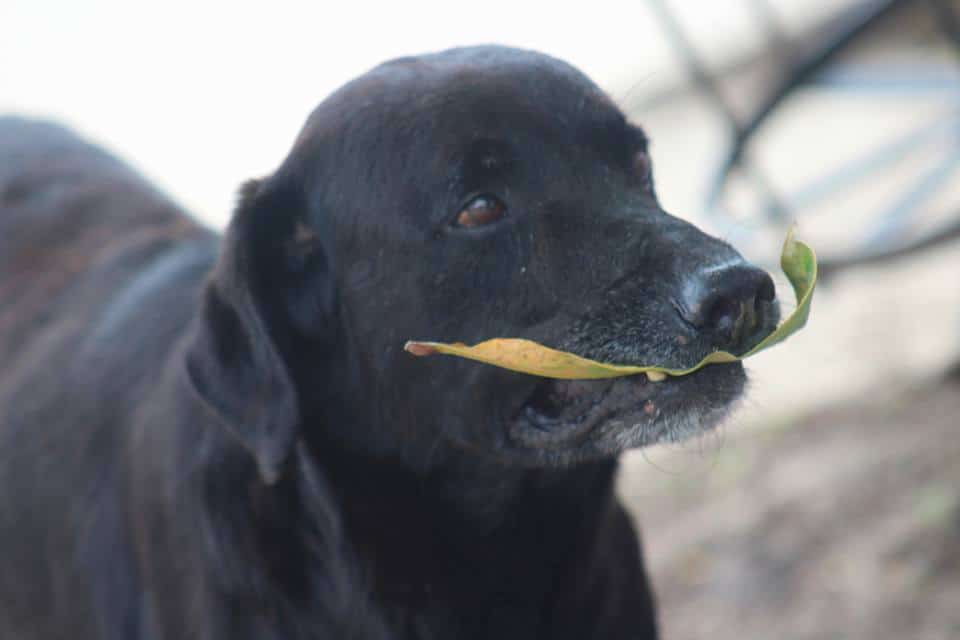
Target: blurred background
829	507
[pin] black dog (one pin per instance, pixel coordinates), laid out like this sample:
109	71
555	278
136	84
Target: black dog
206	438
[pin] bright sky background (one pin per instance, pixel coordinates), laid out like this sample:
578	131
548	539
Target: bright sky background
202	95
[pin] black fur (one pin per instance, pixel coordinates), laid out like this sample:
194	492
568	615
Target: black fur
206	438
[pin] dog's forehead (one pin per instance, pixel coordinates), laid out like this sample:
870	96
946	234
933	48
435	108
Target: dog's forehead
478	81
480	85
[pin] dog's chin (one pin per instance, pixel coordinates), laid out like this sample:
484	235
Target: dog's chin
570	421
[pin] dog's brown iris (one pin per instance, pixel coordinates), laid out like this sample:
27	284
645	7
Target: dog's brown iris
482	210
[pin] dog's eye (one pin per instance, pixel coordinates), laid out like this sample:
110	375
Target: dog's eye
481	211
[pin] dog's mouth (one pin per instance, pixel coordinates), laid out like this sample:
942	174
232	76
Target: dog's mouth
563	410
607	416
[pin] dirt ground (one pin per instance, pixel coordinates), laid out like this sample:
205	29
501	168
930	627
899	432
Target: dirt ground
844	524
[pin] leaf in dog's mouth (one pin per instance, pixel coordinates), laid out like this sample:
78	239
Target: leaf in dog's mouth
799	264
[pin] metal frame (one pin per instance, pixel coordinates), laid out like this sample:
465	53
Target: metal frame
815	67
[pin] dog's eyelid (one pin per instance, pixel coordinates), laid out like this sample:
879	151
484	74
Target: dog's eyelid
488	157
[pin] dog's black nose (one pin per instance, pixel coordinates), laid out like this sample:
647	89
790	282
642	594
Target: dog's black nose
728	303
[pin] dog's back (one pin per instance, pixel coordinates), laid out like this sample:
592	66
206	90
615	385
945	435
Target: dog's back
71	217
99	275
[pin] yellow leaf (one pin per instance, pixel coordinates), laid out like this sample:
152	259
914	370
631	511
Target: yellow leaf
798	262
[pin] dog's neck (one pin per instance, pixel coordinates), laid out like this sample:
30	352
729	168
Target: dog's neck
468	527
429	517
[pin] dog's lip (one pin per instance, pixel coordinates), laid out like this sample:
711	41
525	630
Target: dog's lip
581	406
601	405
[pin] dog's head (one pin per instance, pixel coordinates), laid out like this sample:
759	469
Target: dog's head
471	194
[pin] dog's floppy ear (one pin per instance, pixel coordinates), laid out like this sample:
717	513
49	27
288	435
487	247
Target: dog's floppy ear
234	363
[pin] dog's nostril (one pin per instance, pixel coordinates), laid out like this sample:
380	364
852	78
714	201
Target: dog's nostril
725	314
728	304
767	292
